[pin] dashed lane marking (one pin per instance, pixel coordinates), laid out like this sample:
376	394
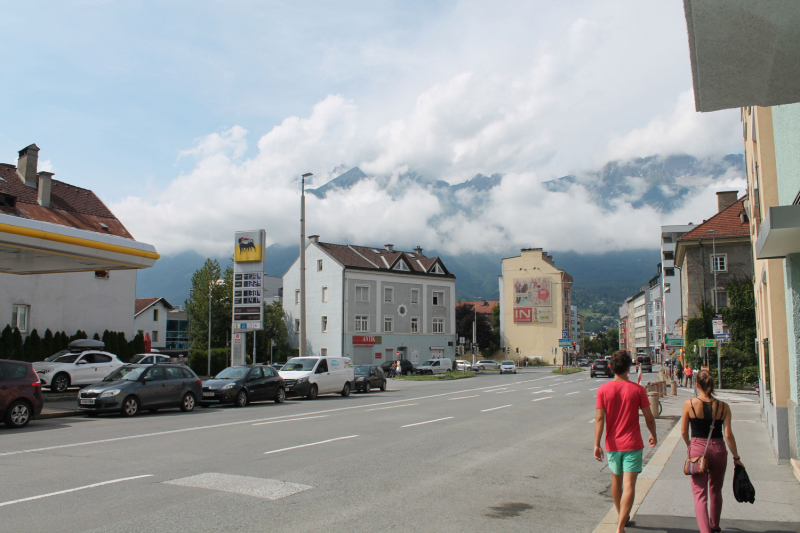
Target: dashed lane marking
289	420
426	422
541	391
93	485
463	397
310	444
392	407
505	391
571	393
495	408
540	399
592	421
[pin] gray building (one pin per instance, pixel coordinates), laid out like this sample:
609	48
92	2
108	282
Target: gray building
670	280
372	304
655	317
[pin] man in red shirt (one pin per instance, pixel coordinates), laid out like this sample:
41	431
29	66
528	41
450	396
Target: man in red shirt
618	404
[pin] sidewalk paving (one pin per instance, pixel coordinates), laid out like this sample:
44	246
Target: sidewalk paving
664	502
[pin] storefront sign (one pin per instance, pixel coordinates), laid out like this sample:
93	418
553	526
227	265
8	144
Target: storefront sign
532	315
378	355
360	340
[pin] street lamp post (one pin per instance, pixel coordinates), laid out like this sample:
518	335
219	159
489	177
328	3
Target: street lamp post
475	327
716	303
303	265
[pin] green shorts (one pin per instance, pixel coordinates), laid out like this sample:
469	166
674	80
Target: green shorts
630	461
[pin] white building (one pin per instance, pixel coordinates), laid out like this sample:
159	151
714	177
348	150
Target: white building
655	317
640	339
151	317
670	279
372	304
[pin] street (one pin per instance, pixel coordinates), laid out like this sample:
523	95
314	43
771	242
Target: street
511	452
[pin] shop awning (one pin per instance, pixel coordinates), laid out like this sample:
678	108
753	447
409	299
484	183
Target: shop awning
780	232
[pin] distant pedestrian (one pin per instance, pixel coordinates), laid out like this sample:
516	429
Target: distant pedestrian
687	372
679	373
399	369
708	416
618	404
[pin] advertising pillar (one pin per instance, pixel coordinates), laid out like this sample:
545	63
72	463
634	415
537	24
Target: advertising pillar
248	281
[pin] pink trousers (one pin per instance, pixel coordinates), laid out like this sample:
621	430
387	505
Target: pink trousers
707	488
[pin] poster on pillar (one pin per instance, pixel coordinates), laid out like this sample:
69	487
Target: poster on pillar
248	280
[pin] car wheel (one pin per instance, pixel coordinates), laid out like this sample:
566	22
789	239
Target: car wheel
281	396
383	386
188	403
312	392
591	375
346	389
241	399
130	406
18	415
60	383
367	388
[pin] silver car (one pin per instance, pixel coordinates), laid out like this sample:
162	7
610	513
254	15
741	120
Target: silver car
508	366
486	364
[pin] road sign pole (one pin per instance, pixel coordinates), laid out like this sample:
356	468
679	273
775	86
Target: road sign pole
719	364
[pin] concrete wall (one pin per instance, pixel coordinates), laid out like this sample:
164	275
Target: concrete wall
72	301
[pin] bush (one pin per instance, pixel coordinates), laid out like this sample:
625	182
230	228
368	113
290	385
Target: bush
219	361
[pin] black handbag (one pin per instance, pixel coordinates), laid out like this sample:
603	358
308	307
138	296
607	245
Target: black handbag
743	490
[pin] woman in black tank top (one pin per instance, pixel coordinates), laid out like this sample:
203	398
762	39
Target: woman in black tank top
710	420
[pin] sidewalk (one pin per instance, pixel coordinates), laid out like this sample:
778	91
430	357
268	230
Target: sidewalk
664	502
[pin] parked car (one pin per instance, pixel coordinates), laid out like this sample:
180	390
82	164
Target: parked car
148	359
241	385
405	366
131	388
583	362
435	366
20	393
311	376
646	362
601	366
463	365
508	366
486	364
368	378
83	362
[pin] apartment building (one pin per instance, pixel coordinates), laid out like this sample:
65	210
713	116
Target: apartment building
670	281
535	300
639	303
623	327
655	317
372	304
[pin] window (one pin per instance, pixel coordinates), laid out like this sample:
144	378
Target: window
719	262
101	274
173	372
362	293
669	256
401	265
414	325
15	371
722	298
297	325
324	294
100	358
415	296
437	269
669	272
388	293
154	336
319	265
438	325
19	317
269	372
362	323
323	352
667	239
297	297
324	324
438	297
388	322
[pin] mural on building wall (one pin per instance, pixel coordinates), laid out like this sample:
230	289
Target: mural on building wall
532	300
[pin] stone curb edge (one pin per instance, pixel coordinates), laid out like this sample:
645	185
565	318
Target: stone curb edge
44	415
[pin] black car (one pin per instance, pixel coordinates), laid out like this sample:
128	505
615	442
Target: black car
405	366
646	362
369	377
131	388
601	366
243	384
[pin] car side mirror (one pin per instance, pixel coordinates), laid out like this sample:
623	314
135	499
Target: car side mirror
252	378
81	362
147	378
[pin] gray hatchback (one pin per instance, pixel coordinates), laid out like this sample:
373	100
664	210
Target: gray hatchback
131	388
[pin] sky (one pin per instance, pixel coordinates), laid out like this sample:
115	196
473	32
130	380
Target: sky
192	120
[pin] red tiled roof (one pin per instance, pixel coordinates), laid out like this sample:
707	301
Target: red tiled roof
363	257
143	303
70	206
725	224
482	306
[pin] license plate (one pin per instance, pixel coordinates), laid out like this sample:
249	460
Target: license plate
88	402
208	394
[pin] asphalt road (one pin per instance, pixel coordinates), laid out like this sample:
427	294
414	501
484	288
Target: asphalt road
510	453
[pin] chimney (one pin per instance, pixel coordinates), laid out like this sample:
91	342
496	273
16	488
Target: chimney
45	181
389	247
27	163
726	199
418	249
313	238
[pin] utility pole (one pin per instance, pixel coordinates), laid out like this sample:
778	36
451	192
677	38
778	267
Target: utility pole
716	310
210	288
303	265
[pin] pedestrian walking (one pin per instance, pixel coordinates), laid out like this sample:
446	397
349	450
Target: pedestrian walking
399	369
618	404
679	372
687	372
708	418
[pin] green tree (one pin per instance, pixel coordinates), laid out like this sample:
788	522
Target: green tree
16	345
484	335
210	277
48	343
275	330
7	342
96	336
122	346
612	341
34	347
136	345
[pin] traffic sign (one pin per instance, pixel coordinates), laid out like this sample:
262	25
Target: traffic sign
673	340
708	343
564	333
722	336
565	342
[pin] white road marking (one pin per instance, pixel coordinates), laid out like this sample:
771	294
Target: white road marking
540	399
392	407
595	388
289	420
541	391
93	485
496	408
571	393
537	387
505	391
310	444
269	489
463	397
426	422
592	421
495	389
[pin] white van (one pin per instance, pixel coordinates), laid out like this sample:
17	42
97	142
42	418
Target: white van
435	366
311	376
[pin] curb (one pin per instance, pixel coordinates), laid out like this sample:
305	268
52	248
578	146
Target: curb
44	415
645	481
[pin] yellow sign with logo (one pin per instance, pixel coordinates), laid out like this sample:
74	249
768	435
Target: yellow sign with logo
249	246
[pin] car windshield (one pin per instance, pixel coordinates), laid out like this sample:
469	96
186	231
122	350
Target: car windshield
508	362
299	364
428	363
492	362
126	373
362	370
233	372
64	356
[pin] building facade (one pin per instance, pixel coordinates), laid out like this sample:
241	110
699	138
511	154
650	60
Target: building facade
639	303
670	278
655	317
151	317
623	327
372	304
535	301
